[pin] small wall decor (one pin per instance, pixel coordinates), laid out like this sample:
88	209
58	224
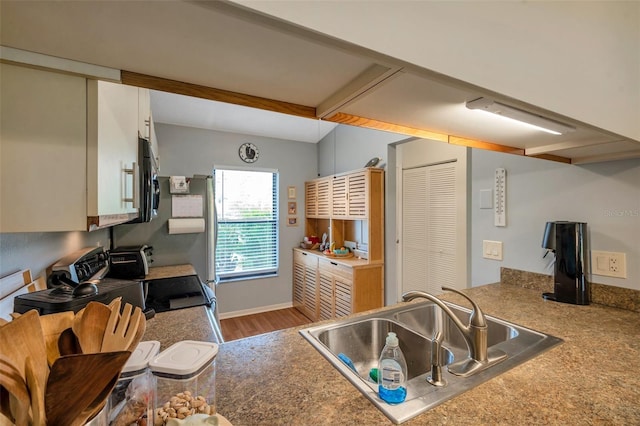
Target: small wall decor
248	152
292	208
291	191
292	221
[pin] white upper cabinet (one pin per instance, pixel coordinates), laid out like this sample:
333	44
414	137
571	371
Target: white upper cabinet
68	152
146	127
43	151
144	113
112	153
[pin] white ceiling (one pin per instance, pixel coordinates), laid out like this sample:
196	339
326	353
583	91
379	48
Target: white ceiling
218	45
204	114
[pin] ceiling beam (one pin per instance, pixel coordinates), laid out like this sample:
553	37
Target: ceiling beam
551	157
367	80
473	143
354	120
607	157
545	149
213	94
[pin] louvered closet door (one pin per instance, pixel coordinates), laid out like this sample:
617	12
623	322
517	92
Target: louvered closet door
429	228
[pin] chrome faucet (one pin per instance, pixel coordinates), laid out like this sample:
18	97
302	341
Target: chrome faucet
475	335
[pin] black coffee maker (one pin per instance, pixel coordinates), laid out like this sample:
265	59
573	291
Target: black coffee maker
568	241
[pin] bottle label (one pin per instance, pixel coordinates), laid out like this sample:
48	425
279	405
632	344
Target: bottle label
392	376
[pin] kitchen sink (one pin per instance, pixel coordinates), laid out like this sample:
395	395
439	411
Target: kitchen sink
363	341
359	341
430	318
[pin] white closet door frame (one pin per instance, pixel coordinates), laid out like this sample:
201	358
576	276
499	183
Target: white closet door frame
423	153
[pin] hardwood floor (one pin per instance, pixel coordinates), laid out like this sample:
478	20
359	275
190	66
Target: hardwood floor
250	325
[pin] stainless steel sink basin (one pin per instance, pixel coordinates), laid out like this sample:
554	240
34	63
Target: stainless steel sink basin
361	339
427	319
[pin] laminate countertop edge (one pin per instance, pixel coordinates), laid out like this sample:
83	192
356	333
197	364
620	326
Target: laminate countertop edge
279	378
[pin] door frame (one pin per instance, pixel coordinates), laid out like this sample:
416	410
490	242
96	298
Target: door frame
420	153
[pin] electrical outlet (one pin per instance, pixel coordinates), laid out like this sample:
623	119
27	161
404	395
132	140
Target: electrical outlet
609	264
492	249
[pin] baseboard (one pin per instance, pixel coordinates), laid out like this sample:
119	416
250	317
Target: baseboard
261	309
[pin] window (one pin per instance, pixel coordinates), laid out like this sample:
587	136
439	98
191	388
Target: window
247	211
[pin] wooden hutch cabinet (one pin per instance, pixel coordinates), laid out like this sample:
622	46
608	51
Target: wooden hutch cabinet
347	207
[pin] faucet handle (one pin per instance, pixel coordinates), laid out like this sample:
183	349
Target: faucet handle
476	319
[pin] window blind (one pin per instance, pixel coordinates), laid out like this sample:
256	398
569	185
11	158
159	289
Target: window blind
247	213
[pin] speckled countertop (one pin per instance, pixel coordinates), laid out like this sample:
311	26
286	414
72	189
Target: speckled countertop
592	378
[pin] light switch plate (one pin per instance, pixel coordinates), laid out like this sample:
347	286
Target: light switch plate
486	199
609	264
492	249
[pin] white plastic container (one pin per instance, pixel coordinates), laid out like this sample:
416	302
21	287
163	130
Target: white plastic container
132	400
185	375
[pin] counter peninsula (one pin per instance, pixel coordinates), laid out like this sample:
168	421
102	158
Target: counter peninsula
280	379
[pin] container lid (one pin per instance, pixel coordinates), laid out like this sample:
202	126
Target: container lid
141	356
184	358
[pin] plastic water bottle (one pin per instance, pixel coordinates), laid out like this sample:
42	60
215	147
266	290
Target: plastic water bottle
392	372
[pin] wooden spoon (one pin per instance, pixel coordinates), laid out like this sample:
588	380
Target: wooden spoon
36	390
68	343
142	326
22	338
13	382
77	381
98	404
120	332
19	399
90	326
52	326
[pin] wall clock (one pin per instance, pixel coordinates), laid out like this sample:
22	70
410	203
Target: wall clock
248	152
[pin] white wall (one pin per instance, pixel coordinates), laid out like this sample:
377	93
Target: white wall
39	250
186	151
605	195
580	58
349	148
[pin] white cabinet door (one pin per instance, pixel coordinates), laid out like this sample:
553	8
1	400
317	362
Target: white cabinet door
42	151
112	151
144	113
154	143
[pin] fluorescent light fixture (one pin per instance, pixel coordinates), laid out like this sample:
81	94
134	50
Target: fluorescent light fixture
523	117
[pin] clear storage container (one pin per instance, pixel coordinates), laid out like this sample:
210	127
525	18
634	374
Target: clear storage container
186	379
132	400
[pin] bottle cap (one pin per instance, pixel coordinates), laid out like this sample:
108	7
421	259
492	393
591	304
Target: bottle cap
392	339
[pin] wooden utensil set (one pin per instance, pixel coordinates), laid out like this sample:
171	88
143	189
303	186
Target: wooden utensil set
59	369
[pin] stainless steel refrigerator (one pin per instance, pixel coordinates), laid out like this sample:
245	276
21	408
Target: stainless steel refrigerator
197	249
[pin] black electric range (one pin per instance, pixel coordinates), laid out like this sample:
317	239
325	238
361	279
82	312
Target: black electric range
167	294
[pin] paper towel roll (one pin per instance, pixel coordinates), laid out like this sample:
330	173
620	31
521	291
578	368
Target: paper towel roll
186	226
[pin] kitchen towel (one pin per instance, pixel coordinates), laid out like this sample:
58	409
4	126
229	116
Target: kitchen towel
186	226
